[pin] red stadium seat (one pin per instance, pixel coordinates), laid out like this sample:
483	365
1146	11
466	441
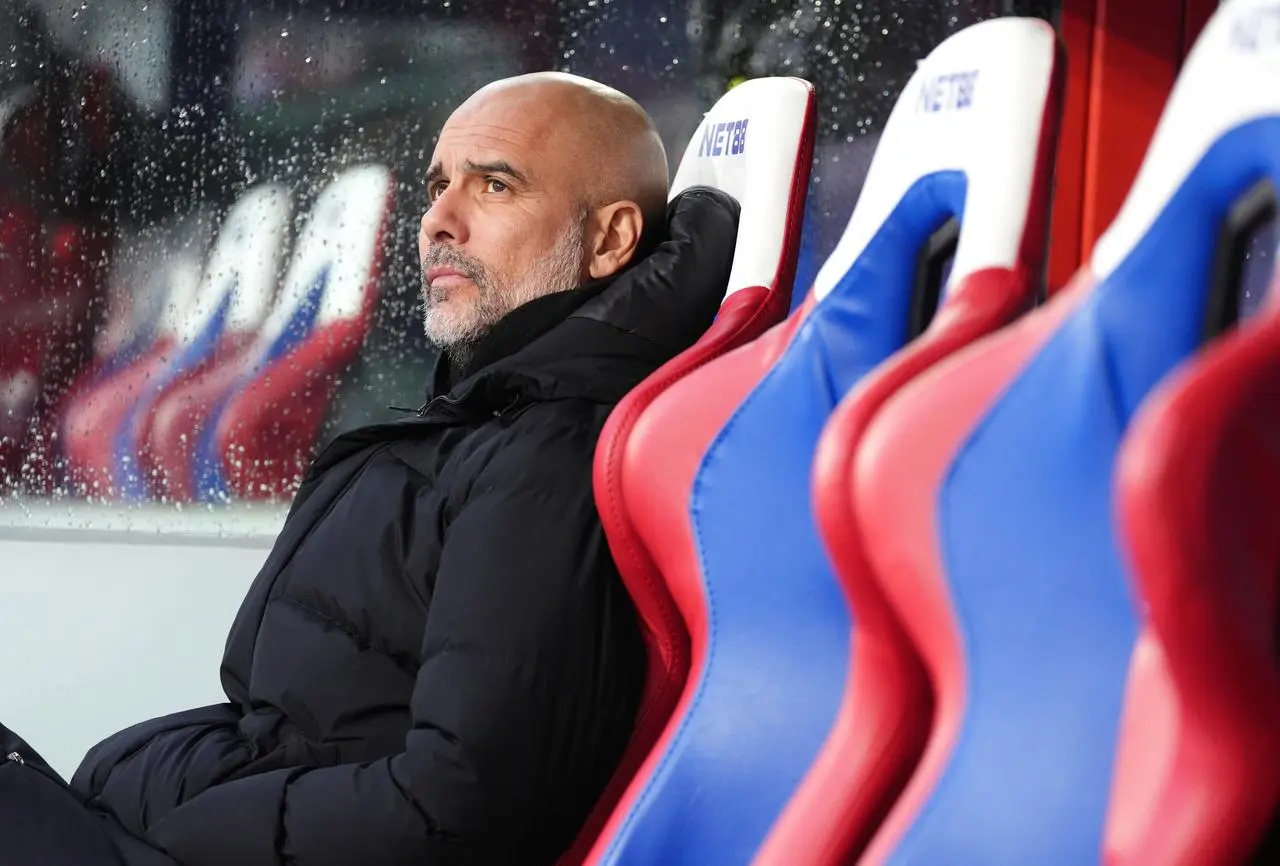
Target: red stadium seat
756	143
876	741
1198	778
985	492
1198	489
717	473
246	428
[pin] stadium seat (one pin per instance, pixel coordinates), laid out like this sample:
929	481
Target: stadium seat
875	741
1198	490
984	489
246	427
756	143
718	467
103	428
251	261
1198	771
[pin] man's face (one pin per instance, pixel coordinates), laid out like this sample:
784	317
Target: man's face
504	225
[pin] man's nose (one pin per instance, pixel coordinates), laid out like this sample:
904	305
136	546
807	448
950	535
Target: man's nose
444	221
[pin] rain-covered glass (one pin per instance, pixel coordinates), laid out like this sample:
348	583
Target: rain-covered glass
208	208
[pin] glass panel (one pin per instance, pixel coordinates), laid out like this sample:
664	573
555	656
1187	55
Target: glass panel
132	127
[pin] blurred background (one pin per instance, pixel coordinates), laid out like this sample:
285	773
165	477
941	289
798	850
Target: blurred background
128	128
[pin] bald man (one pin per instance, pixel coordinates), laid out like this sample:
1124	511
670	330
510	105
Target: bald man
438	662
528	174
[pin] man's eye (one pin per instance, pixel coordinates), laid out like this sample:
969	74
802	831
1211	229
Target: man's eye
495	185
433	191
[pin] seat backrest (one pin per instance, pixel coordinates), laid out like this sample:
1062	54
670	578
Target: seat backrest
756	144
317	326
716	481
883	718
1198	486
985	490
237	284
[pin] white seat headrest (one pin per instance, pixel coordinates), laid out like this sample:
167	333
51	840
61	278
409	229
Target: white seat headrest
756	143
977	105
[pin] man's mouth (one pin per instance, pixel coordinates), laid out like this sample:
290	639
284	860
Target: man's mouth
443	276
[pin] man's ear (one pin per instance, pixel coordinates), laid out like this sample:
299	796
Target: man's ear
614	238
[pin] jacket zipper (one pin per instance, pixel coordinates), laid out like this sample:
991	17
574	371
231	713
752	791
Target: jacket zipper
16	757
422	410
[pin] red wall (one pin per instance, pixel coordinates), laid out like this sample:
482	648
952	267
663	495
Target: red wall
1123	57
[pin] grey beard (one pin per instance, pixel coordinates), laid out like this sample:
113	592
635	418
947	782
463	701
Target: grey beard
461	352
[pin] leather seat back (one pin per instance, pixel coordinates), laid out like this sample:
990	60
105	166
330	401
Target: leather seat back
756	144
885	712
1198	770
